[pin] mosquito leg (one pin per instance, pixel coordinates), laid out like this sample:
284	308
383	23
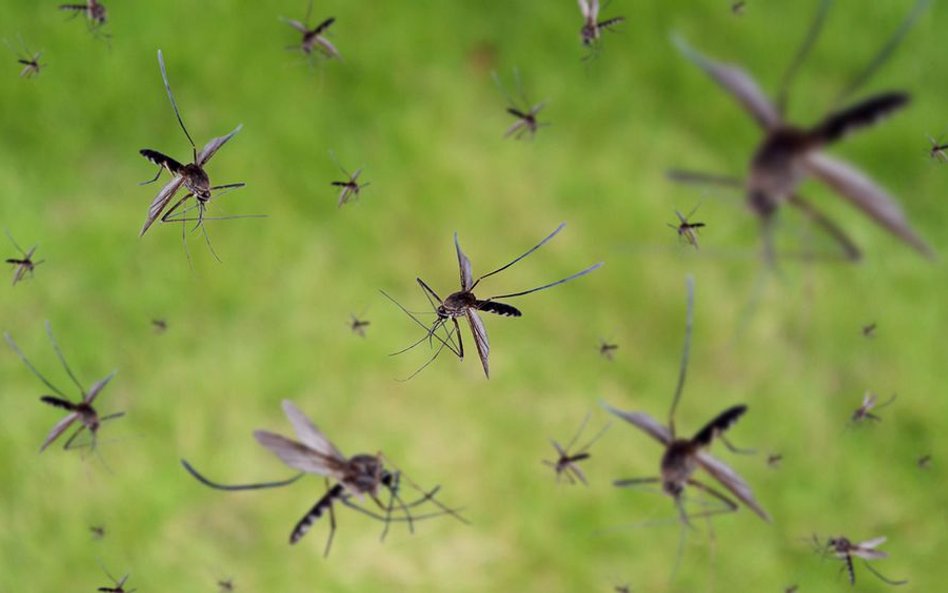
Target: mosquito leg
685	352
332	526
884	579
29	365
733	449
68	446
258	486
157	175
729	505
62	359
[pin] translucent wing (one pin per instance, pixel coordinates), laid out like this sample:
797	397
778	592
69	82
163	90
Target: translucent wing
480	339
643	422
296	25
328	47
873	543
853	185
214	145
57	430
464	264
728	478
868	554
307	432
299	456
160	201
94	392
584	8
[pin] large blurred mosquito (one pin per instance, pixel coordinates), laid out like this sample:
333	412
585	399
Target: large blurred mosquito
314	38
355	476
28	59
95	13
846	550
685	455
567	463
592	26
23	264
686	229
789	154
869	403
118	586
350	187
191	175
81	411
519	107
464	303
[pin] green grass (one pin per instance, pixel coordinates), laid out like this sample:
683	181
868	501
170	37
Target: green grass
415	105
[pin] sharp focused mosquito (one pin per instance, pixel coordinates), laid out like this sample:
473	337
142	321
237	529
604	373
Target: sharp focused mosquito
607	350
23	264
592	26
314	38
118	586
355	476
567	463
350	187
519	107
464	303
869	403
358	325
683	456
846	550
81	411
686	229
789	154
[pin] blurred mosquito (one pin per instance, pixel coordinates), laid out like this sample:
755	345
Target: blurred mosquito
81	411
118	586
685	455
567	464
869	403
925	461
355	476
95	13
160	325
686	229
23	264
225	585
869	331
28	59
351	187
192	176
464	303
607	350
519	107
791	589
846	550
622	589
936	151
358	325
738	7
98	531
314	38
789	154
774	459
592	26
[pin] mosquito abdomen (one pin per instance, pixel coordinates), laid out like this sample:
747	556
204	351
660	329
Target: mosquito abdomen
719	424
836	125
498	308
162	160
315	513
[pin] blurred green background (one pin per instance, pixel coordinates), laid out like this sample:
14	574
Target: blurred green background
414	104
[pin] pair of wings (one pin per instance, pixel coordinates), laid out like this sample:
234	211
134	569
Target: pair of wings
590	9
839	176
477	325
66	422
866	550
314	453
720	471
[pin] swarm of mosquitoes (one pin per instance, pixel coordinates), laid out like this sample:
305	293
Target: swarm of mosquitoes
370	483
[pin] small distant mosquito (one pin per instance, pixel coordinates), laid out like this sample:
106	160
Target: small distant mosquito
94	11
845	550
936	151
118	586
685	455
925	461
864	411
567	464
464	303
774	459
592	26
350	188
314	37
28	59
738	7
98	531
225	585
607	350
356	476
869	331
23	264
81	411
519	107
358	325
160	325
622	589
686	229
791	589
191	175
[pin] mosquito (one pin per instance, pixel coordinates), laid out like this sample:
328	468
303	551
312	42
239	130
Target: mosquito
81	411
358	476
464	303
28	59
519	107
845	550
686	229
95	12
192	175
225	585
567	464
607	350
774	459
936	151
925	461
864	411
160	325
98	531
869	331
791	589
789	154
738	7
358	325
118	586
685	455
351	187
314	38
592	26
23	264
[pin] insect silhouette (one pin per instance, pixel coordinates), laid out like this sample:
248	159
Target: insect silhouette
464	303
789	154
869	331
95	12
28	59
225	585
191	175
527	124
22	264
160	325
683	456
774	459
350	187
869	403
686	229
567	463
936	151
358	325
83	411
118	586
791	589
607	350
592	26
846	550
98	531
738	7
925	461
358	476
314	38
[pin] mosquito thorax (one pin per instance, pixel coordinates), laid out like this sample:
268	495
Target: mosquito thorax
364	473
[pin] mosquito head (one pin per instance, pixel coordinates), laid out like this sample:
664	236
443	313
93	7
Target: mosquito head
97	13
441	312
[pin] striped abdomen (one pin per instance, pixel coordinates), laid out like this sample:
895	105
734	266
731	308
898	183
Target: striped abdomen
162	160
316	512
498	308
836	125
718	425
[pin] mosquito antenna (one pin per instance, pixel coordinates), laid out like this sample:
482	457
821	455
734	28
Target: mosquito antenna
531	250
332	155
890	400
522	94
545	286
430	360
258	486
811	36
309	11
22	356
429	330
886	51
595	438
62	359
12	240
503	90
883	578
578	432
685	353
164	77
430	496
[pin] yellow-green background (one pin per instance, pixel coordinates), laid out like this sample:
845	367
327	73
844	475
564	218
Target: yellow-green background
415	105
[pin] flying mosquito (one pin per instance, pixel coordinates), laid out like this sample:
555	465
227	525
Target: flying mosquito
567	464
869	403
869	331
925	461
774	459
225	585
97	531
686	229
118	586
28	59
358	325
23	264
789	154
95	13
355	476
192	175
607	350
81	411
519	107
160	325
314	38
738	7
685	455
351	187
464	303
592	26
845	550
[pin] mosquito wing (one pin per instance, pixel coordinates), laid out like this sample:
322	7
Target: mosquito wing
94	392
865	195
299	456
160	201
308	434
584	8
464	264
480	339
868	550
737	82
643	422
214	145
296	25
328	48
728	478
57	430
